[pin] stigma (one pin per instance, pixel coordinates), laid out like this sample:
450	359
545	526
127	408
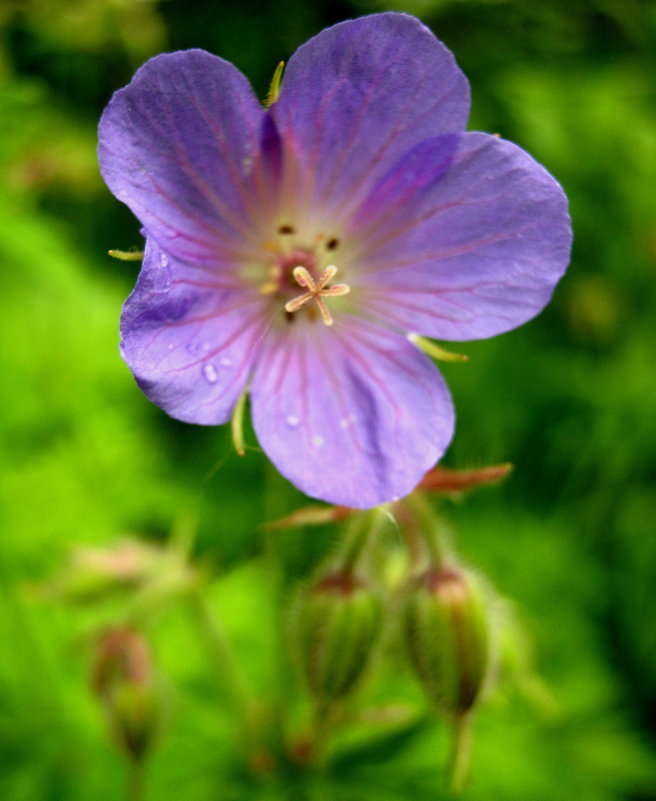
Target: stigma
316	291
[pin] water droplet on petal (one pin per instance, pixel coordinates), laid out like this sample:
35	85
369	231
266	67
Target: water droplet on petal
318	441
292	420
205	347
210	373
226	362
192	348
159	276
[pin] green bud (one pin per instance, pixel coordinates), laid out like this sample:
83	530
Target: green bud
447	631
336	625
123	679
134	717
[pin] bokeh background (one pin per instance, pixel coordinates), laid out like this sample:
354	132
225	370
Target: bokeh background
569	399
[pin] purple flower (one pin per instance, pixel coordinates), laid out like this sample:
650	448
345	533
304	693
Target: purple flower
290	250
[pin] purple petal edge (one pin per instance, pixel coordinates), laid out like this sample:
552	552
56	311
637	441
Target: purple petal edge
360	94
189	340
173	145
353	415
490	242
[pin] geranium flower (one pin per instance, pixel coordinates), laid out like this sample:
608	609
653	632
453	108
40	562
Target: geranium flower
291	249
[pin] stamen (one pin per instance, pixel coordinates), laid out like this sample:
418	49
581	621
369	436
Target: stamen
326	316
327	275
317	291
272	285
304	278
269	288
299	302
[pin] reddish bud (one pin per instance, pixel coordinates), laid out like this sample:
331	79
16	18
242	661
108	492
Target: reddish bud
448	637
336	625
123	679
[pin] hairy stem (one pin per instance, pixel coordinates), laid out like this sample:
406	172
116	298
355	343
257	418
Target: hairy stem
429	528
457	769
227	672
361	533
136	781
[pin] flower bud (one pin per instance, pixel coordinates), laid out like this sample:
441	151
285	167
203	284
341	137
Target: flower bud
98	574
336	626
123	679
448	637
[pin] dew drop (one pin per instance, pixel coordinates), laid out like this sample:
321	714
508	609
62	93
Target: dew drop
318	441
226	362
210	373
205	347
159	281
159	278
192	348
292	420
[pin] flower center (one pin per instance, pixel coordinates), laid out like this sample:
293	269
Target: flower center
298	264
316	291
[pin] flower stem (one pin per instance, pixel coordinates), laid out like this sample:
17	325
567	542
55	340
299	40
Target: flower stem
323	724
429	528
363	530
273	564
136	781
457	770
226	668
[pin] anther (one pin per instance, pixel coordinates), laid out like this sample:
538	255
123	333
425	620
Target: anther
316	291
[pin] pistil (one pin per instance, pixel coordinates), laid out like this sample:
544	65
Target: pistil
316	291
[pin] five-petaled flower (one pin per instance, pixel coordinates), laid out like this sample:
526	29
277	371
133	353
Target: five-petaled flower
291	249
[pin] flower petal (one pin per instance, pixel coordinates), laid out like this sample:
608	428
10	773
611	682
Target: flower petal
392	201
353	414
359	95
190	339
175	146
477	254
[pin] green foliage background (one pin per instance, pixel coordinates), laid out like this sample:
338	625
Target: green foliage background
570	399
